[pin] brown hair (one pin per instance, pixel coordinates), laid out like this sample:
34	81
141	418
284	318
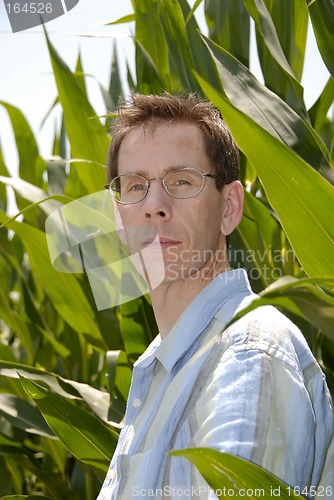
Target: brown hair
154	109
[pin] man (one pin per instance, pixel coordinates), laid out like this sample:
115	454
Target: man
253	389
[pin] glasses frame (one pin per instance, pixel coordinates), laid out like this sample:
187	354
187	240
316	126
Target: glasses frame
162	179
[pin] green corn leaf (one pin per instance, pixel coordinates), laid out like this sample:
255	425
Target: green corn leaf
56	169
97	400
301	297
291	23
26	497
80	76
115	86
23	415
264	23
174	27
285	176
115	360
25	459
55	449
34	194
320	117
193	10
84	435
148	28
148	77
18	322
6	353
284	77
202	60
229	27
233	476
49	111
60	146
318	112
112	357
26	323
138	326
131	83
31	166
3	172
57	346
308	302
322	17
63	289
10	445
269	111
256	244
87	136
124	19
123	379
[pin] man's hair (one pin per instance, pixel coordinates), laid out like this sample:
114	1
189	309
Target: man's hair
154	110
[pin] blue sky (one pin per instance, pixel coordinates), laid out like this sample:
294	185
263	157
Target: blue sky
27	81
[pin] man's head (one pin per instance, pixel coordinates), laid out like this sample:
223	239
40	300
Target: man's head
148	111
174	168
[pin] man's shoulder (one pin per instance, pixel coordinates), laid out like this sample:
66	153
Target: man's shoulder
267	330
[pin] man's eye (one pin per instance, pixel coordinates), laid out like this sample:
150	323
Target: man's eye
136	187
182	182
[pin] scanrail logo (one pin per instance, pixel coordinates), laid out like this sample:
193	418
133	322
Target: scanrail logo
23	14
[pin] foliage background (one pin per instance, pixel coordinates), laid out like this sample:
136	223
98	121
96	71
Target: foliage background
59	356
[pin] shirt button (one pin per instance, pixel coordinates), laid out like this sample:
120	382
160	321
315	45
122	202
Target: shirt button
136	403
111	474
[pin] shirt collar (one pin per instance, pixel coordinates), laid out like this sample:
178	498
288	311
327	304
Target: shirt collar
196	318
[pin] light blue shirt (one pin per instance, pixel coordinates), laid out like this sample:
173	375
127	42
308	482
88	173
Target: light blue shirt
252	390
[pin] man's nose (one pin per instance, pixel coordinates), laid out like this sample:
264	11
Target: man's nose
157	201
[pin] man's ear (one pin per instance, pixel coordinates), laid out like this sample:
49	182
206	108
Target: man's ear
233	202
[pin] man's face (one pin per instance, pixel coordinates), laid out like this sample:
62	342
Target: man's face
186	232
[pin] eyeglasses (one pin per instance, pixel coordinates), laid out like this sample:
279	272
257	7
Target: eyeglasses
181	183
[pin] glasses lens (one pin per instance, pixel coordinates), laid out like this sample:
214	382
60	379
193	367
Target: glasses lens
129	188
184	183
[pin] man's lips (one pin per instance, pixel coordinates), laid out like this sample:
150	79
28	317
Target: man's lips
161	241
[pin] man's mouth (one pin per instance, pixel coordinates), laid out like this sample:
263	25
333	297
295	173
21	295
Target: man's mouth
161	242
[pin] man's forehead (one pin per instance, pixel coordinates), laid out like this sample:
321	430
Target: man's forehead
163	145
158	129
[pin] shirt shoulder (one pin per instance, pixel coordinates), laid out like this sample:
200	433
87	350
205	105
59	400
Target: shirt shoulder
267	330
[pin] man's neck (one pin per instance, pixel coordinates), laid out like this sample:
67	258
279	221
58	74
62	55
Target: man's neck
170	299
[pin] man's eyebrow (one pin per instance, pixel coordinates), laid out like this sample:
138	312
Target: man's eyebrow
166	170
